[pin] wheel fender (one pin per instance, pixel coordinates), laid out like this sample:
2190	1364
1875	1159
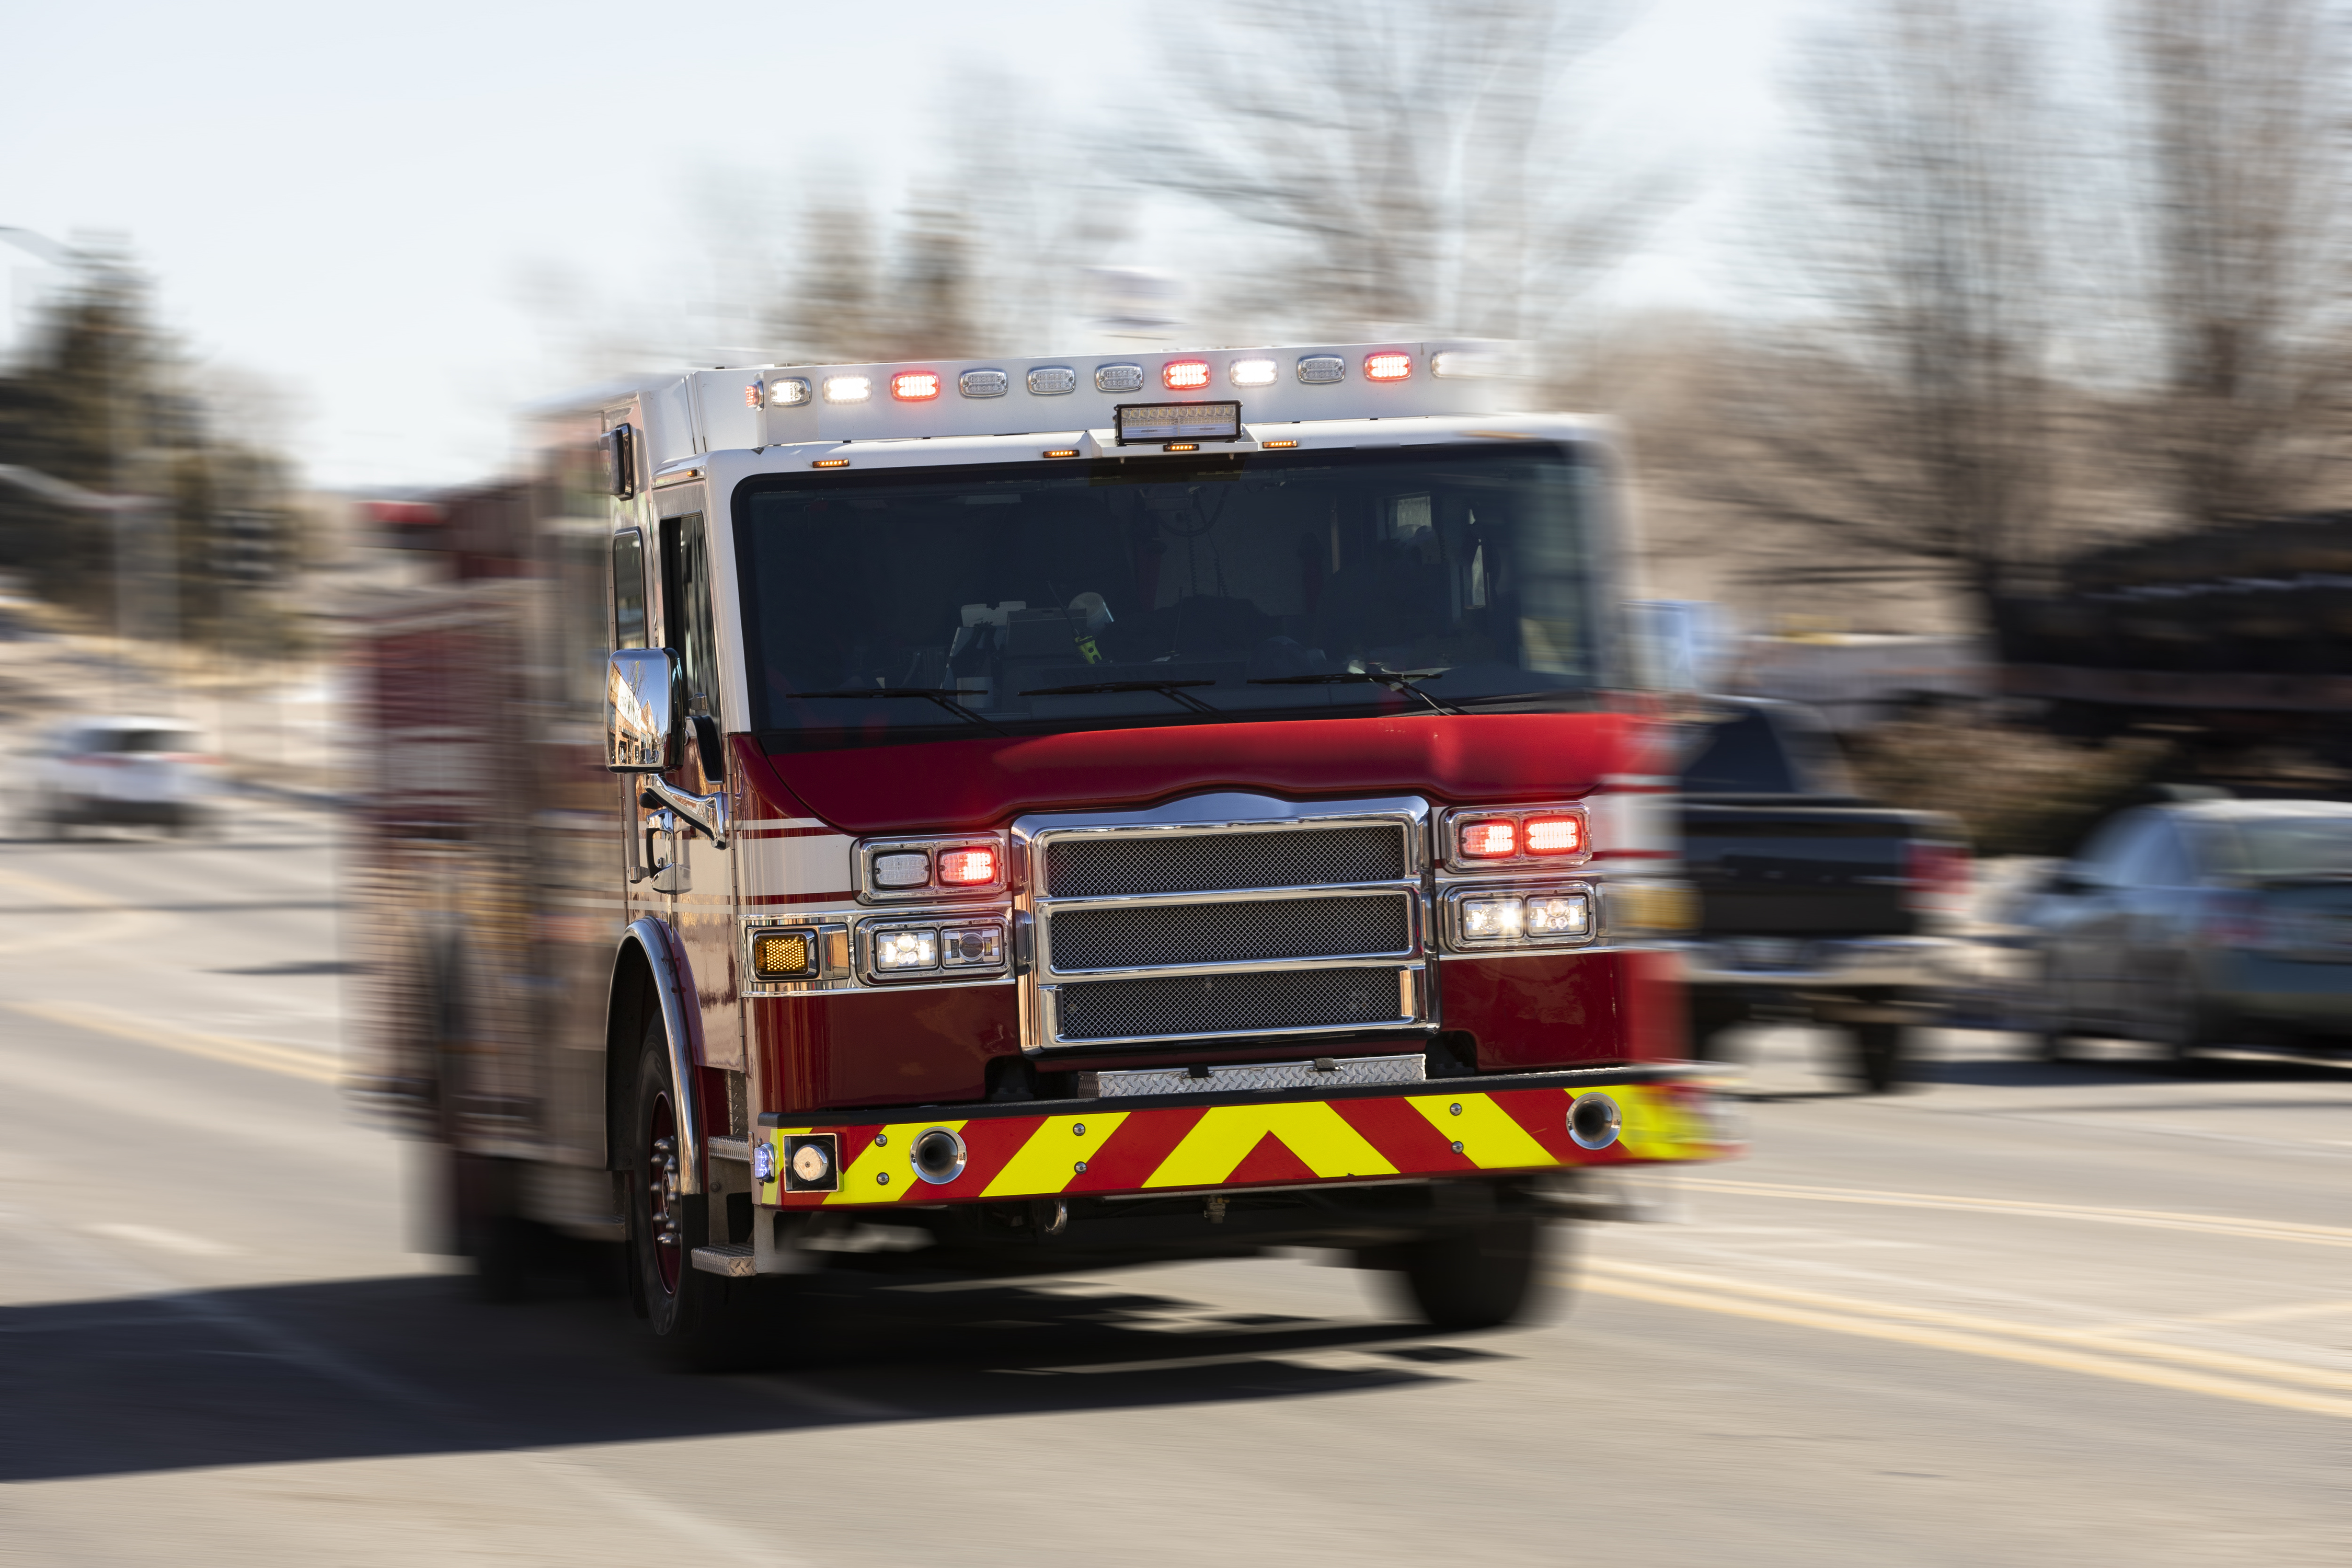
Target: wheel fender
654	940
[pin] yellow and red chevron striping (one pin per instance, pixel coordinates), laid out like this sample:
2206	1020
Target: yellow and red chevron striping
1260	1144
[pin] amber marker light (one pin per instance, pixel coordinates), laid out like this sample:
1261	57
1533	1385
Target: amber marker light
1555	835
830	463
777	955
1277	445
1182	447
1062	452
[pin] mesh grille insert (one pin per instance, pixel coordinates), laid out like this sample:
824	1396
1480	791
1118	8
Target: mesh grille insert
1094	865
1221	1004
1131	938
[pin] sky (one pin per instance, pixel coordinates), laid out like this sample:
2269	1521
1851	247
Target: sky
389	216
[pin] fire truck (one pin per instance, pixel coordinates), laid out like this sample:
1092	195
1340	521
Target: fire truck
1027	815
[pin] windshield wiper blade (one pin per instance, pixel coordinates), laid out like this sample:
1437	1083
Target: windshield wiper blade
1172	690
1398	681
945	699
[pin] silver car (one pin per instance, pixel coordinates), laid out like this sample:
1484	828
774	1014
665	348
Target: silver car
2199	923
130	771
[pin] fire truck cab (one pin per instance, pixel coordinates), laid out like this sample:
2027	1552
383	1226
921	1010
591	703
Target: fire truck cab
1029	814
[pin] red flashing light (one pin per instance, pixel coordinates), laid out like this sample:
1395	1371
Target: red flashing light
1387	367
967	868
1489	841
1185	375
915	386
1555	835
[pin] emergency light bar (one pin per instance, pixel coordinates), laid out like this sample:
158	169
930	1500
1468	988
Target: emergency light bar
1061	397
1137	422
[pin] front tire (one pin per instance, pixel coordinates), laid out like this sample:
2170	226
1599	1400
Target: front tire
1479	1277
1878	1056
702	1321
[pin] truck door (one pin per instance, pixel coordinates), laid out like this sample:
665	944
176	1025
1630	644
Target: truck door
696	887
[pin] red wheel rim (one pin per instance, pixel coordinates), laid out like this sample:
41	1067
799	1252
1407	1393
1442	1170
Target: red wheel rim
662	1217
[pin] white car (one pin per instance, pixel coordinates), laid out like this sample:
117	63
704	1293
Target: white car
147	772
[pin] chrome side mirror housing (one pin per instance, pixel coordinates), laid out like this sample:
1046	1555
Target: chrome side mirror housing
642	705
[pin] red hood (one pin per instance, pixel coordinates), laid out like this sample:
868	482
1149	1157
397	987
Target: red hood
952	785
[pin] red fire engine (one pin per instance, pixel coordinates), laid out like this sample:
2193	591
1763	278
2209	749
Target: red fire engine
1049	813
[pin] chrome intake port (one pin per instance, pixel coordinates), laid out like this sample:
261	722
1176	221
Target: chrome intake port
939	1156
1594	1121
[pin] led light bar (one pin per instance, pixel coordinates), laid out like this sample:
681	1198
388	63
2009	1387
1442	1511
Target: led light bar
915	386
1184	375
1164	422
848	389
1252	372
1387	367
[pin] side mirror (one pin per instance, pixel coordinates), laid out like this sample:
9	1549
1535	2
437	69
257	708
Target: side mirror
642	710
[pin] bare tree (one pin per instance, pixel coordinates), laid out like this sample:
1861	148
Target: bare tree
1403	152
2244	169
1907	433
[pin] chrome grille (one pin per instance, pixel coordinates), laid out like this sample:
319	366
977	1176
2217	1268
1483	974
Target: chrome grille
1159	935
1099	865
1241	1003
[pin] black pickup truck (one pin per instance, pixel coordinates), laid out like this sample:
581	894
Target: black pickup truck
1815	905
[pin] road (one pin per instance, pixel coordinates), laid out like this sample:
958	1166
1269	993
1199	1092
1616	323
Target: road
2097	1313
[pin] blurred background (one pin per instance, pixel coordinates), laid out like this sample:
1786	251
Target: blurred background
1986	370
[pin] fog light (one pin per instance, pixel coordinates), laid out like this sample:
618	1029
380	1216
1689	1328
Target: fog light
971	947
1559	914
1491	919
909	948
1594	1121
809	1163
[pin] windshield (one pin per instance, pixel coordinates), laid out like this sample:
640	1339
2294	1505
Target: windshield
1254	586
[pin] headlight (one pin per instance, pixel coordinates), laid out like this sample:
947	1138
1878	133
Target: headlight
1559	914
907	947
1491	919
972	946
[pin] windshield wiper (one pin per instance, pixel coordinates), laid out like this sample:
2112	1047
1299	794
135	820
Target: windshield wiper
1398	681
1172	690
945	699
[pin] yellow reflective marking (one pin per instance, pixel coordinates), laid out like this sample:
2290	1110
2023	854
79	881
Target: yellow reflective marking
1310	1129
1658	1125
865	1181
1048	1161
1490	1139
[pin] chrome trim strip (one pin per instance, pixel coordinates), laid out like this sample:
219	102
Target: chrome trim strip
652	940
1241	967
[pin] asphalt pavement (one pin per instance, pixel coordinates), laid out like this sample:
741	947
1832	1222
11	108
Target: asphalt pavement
2098	1312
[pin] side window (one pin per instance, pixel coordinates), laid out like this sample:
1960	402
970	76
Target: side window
686	601
1740	756
629	590
2156	860
2102	859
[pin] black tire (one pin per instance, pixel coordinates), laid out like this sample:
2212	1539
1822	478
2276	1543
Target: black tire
1480	1277
490	1227
1713	1015
1878	1056
702	1321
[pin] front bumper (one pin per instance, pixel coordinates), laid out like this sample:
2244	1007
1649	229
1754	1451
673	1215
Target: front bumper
1838	964
1443	1128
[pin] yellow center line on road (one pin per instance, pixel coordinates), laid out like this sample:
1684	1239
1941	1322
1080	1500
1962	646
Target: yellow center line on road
120	919
1996	1340
290	1061
2153	1219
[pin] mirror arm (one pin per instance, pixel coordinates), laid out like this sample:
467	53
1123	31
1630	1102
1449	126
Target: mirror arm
708	812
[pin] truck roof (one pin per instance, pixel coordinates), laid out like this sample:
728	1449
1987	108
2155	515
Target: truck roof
688	414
